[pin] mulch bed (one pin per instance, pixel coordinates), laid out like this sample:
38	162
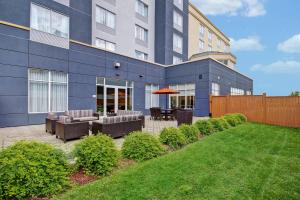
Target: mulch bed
80	178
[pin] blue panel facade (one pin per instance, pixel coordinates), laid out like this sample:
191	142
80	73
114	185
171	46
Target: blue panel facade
164	31
83	64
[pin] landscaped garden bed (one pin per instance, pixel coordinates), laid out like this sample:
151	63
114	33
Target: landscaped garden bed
231	160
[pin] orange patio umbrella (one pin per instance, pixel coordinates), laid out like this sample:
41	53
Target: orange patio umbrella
166	91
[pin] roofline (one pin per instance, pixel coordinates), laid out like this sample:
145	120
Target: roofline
194	7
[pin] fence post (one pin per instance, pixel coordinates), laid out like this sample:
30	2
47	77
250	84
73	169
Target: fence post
264	96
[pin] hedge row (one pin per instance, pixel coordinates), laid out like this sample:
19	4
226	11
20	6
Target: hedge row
31	169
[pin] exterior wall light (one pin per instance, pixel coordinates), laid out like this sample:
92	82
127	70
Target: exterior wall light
117	65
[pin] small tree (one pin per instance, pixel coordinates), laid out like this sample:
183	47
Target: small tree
295	94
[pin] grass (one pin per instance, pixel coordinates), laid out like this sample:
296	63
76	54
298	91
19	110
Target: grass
251	161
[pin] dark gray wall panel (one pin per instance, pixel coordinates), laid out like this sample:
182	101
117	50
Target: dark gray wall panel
19	105
13	120
48	51
13	43
13	71
47	63
13	86
13	58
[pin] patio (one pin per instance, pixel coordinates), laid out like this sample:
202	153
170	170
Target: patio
11	135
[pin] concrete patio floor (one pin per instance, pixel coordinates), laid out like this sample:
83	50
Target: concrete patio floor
10	135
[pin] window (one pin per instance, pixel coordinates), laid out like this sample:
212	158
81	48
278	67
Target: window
141	8
248	93
215	89
201	31
103	44
48	21
186	97
178	4
201	45
177	43
141	33
177	21
227	48
105	17
219	43
210	36
141	55
176	60
151	100
47	91
209	47
236	91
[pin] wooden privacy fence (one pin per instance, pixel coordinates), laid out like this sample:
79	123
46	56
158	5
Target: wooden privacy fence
283	111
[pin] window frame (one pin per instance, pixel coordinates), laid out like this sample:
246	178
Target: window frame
215	89
186	88
177	26
105	43
153	87
49	85
50	20
179	60
145	8
145	55
139	31
105	17
175	48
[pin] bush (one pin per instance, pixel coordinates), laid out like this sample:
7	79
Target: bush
204	126
190	132
97	155
172	137
232	121
224	123
241	117
141	146
216	124
29	169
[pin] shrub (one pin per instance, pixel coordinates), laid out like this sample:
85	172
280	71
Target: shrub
29	169
224	123
190	132
204	126
141	146
232	121
97	155
172	137
216	124
241	117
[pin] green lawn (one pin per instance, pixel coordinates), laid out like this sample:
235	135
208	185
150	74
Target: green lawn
251	161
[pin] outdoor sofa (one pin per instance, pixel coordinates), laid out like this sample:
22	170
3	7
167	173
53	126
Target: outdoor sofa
82	115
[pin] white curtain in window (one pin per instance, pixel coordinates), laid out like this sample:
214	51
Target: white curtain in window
100	15
59	97
155	97
40	18
38	90
110	19
60	25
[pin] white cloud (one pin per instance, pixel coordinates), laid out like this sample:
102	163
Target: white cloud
250	43
292	45
248	8
279	67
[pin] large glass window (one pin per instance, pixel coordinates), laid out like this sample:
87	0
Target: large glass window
141	33
201	45
210	36
103	44
215	89
141	8
177	21
177	43
141	55
48	21
186	97
48	91
105	17
151	100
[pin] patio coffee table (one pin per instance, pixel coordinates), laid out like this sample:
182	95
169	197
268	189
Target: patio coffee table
72	130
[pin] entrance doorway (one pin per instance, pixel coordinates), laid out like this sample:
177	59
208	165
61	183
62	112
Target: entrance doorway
114	95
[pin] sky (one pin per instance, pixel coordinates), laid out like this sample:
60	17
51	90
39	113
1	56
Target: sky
265	37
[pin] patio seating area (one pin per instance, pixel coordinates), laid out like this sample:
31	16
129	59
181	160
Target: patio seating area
10	135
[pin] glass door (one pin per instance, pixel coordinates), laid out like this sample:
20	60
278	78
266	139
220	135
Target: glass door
121	98
110	100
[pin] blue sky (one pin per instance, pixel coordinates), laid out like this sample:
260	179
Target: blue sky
265	37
